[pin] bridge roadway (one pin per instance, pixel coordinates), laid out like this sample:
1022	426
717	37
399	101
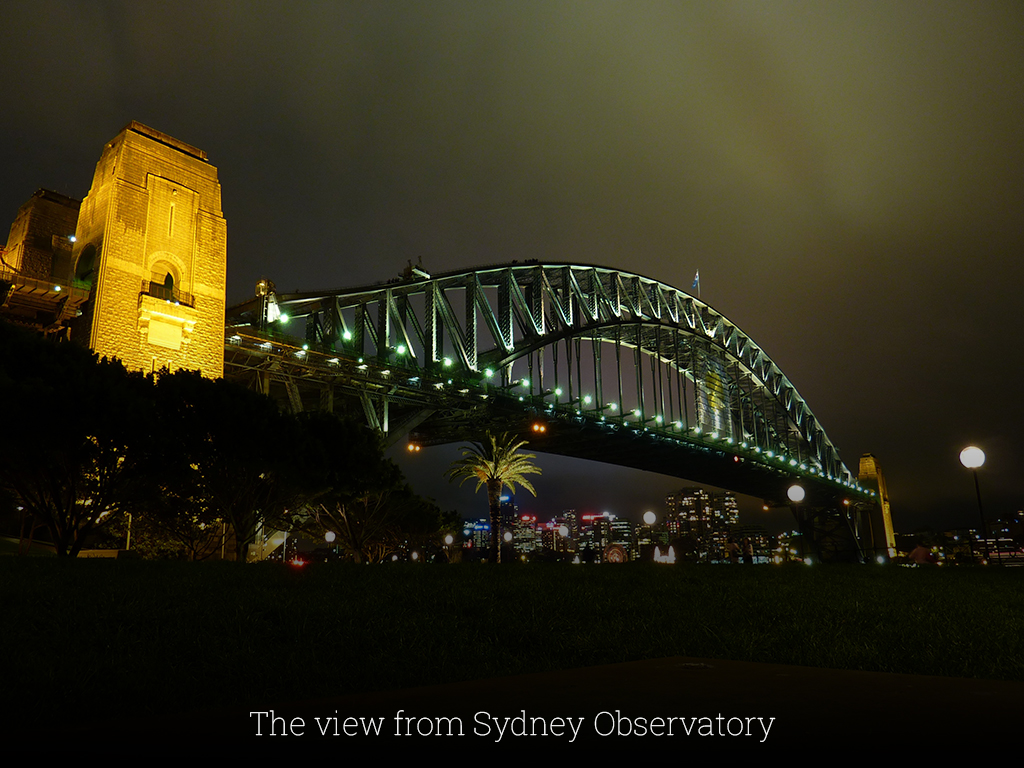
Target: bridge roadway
431	409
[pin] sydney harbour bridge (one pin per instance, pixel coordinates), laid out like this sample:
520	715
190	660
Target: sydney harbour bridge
585	361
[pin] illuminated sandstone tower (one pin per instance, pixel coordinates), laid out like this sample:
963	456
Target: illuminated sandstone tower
152	244
881	522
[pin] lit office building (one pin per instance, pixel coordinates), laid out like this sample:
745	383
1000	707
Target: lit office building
622	533
477	533
706	517
525	537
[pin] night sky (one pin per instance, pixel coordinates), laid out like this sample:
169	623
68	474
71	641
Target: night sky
847	177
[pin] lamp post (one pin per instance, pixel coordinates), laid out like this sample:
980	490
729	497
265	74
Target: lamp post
973	457
796	495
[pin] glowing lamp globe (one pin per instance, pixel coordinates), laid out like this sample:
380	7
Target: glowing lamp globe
796	493
972	457
650	517
330	536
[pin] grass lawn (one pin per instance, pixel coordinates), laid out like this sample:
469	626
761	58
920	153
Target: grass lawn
89	639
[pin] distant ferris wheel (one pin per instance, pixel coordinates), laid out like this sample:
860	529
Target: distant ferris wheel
614	553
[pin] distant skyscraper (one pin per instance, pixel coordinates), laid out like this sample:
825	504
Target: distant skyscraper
705	516
478	532
509	512
622	533
525	537
572	522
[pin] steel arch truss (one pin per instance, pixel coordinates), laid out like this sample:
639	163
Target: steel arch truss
594	343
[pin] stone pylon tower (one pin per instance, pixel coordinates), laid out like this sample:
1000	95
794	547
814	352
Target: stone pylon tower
871	476
151	243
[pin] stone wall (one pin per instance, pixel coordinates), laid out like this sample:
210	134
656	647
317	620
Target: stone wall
152	222
38	243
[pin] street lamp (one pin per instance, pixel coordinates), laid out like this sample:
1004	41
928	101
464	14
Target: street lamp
973	457
796	495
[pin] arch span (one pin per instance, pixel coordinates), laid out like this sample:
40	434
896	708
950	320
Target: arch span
606	357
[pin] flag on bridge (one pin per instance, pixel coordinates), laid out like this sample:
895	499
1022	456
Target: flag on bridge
696	283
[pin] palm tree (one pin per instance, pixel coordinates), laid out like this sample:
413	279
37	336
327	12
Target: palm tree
495	464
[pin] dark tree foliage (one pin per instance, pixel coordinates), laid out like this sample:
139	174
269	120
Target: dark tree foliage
226	453
144	532
363	498
76	436
371	526
230	454
85	443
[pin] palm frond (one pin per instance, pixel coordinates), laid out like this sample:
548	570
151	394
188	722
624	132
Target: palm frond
496	459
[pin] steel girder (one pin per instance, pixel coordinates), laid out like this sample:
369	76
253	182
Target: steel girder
694	375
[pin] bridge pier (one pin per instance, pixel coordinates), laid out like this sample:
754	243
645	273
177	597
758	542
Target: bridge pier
839	533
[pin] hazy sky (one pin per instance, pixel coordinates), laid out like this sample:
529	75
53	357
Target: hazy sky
847	176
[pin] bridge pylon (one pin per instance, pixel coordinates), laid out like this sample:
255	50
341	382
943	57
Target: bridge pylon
151	247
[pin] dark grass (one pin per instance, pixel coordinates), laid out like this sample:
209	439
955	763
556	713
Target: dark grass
91	640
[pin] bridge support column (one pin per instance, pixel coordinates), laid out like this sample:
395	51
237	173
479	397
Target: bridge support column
370	411
327	399
829	535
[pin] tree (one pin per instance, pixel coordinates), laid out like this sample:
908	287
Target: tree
76	436
495	464
230	454
227	453
371	526
365	501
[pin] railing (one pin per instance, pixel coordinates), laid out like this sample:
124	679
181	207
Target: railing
161	291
